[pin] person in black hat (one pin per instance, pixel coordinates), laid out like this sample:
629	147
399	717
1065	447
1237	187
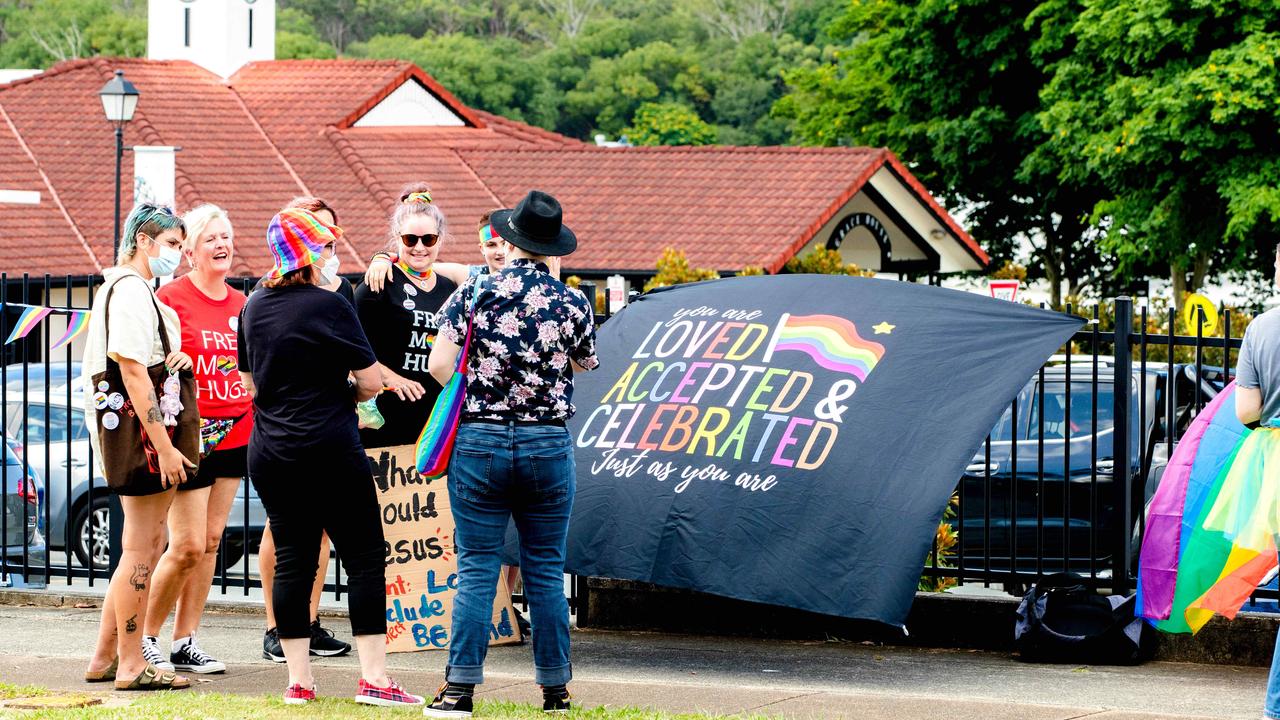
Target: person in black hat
513	457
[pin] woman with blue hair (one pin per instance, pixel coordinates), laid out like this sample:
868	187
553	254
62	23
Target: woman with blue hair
131	327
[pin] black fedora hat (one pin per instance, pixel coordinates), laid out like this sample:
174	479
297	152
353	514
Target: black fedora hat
535	225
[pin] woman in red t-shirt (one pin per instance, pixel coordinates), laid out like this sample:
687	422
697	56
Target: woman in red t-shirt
209	309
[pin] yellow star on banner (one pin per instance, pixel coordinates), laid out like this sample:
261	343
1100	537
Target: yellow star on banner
883	328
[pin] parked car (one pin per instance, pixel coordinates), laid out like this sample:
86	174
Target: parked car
59	375
22	514
75	519
1056	486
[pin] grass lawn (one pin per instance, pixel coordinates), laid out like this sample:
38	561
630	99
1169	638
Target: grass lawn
187	705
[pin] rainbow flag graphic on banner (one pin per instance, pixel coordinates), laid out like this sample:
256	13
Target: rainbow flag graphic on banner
833	343
27	322
77	321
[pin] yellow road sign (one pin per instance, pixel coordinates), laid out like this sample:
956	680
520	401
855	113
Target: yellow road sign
1197	303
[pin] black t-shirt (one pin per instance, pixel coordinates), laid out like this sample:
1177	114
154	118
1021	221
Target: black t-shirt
401	323
345	290
299	343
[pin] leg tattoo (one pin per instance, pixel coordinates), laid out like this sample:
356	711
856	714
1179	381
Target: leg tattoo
131	625
139	577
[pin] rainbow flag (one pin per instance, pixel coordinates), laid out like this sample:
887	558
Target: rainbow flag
1195	561
831	341
77	321
27	322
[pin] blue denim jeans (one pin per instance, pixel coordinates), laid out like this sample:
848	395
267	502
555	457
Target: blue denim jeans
1272	707
497	473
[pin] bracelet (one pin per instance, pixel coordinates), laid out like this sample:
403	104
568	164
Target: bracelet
383	255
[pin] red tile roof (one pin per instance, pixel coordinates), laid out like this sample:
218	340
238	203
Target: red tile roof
283	128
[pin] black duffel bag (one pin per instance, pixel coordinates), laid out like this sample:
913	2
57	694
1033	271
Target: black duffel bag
1060	620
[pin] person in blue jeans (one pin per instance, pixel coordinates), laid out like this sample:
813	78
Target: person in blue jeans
1258	404
512	457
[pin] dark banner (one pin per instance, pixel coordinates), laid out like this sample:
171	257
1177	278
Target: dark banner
792	439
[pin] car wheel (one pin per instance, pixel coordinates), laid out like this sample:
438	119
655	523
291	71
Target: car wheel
92	535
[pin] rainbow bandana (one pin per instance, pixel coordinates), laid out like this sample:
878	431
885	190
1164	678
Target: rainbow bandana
296	238
486	233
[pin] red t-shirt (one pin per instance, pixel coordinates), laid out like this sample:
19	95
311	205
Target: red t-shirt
209	337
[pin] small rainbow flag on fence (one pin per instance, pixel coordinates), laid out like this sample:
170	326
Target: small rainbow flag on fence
77	321
33	315
831	341
27	322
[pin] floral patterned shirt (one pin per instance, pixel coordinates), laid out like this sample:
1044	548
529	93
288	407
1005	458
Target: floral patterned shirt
528	327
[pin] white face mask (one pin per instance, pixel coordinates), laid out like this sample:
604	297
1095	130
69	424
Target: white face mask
166	262
329	271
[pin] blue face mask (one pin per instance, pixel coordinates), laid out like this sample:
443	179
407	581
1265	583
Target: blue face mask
166	262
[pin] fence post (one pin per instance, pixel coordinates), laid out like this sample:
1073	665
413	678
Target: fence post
1122	478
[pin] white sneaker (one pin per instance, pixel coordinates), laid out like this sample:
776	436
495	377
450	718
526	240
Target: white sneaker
188	657
151	653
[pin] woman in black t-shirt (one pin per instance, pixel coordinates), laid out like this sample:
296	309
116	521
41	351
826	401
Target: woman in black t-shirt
401	320
297	346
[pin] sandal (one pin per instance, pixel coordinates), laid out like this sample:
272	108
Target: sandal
97	676
152	678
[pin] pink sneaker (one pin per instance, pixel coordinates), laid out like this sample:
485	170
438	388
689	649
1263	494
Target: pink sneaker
298	695
390	696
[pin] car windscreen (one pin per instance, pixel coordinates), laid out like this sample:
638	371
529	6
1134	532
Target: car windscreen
1058	424
55	427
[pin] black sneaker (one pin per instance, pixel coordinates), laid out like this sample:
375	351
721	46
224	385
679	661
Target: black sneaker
523	624
555	700
450	702
324	644
271	649
190	658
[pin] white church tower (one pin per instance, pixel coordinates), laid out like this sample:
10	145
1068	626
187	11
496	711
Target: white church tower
218	35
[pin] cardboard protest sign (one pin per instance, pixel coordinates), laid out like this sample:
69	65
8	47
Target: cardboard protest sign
422	564
790	439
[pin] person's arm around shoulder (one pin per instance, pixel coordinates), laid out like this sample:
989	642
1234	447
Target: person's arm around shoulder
456	272
1248	388
379	272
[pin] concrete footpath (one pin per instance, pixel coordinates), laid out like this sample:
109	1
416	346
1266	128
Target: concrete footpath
681	673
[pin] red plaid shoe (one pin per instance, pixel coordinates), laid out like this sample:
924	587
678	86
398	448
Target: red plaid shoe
298	695
390	696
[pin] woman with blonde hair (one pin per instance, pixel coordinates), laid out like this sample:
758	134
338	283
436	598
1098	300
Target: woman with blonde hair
400	320
209	310
132	328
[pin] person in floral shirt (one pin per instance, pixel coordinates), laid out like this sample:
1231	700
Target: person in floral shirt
513	457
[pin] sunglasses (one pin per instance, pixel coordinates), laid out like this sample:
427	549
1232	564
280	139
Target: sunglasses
427	240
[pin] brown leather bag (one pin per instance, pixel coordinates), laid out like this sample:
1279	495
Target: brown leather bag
129	460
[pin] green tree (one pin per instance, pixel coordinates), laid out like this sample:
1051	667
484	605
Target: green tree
674	269
38	33
297	39
1174	108
953	86
614	88
668	124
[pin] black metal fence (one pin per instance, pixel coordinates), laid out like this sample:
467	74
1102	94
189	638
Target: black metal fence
1061	483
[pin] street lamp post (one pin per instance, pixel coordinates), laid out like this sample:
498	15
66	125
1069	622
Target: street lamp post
119	100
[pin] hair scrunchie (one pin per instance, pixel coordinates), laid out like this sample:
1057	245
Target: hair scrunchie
424	197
